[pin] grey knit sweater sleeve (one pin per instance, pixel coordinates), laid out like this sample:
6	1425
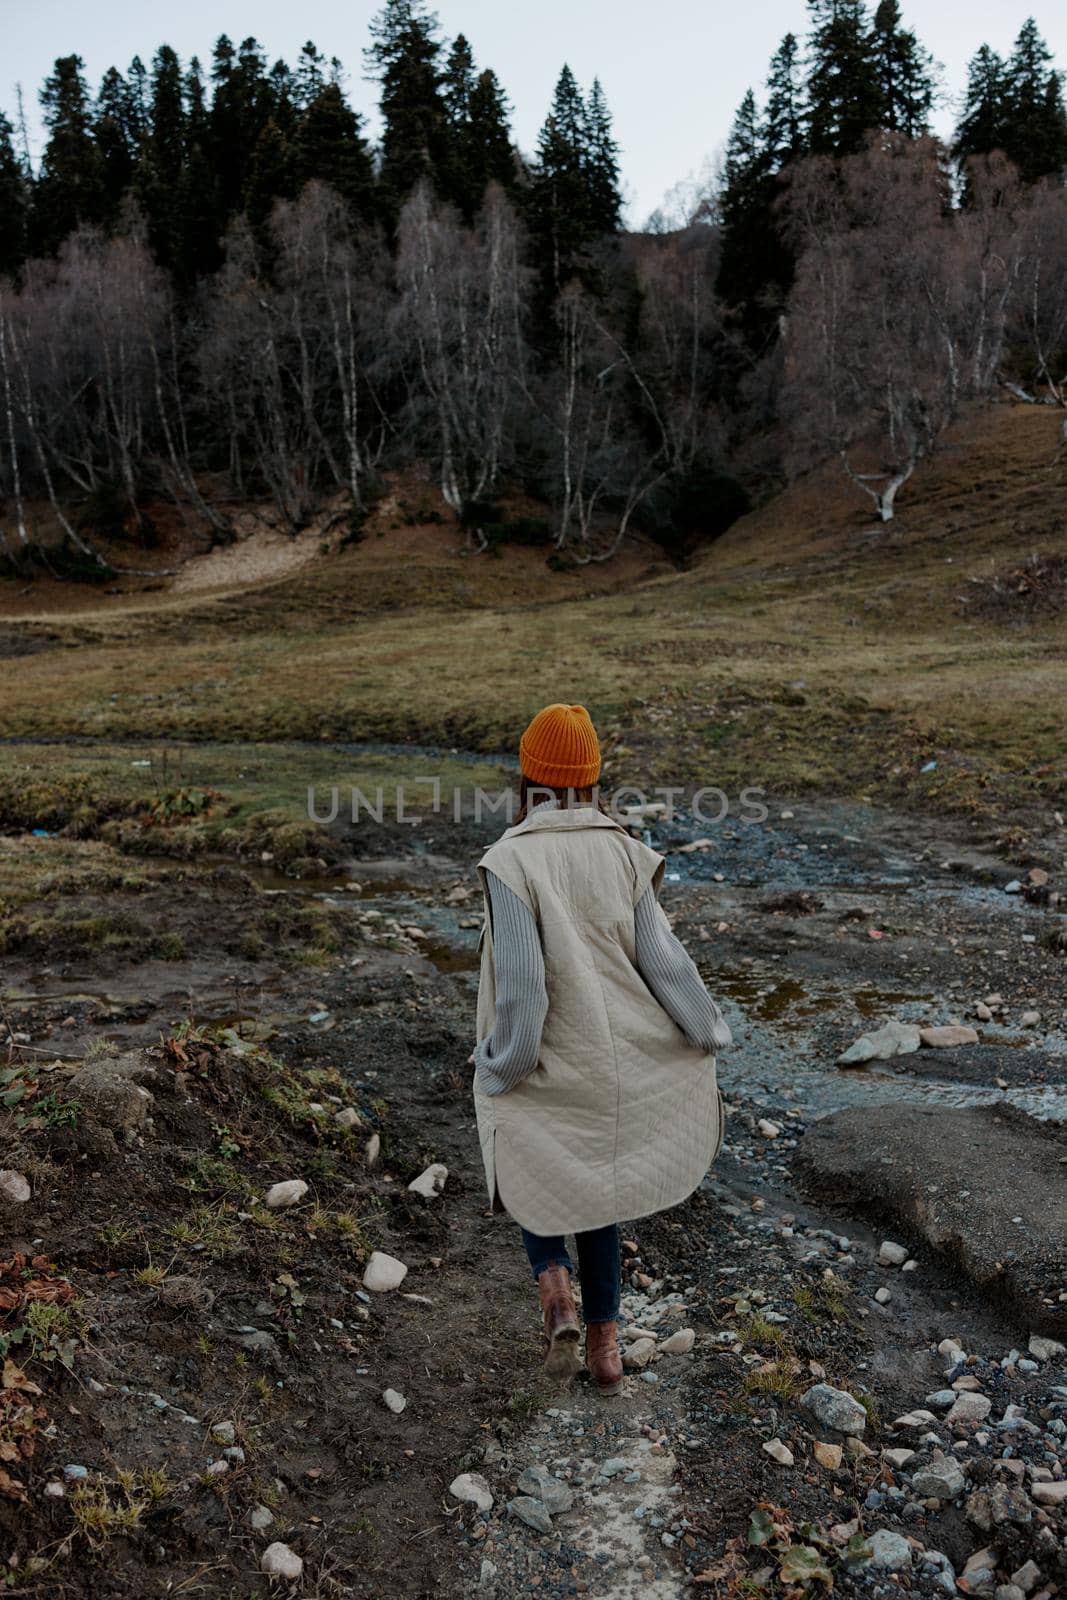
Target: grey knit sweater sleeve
510	1052
671	974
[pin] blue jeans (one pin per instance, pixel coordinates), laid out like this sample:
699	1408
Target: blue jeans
599	1270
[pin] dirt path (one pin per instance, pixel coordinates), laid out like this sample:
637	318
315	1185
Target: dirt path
659	1493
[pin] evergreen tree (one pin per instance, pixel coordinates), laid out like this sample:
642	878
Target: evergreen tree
479	134
195	103
843	93
282	96
904	73
162	159
137	102
198	213
457	83
601	162
14	203
747	193
70	187
983	125
329	145
783	134
490	132
404	58
1035	131
558	198
271	174
115	139
309	79
242	103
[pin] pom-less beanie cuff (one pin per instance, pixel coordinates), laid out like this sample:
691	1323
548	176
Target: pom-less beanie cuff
560	748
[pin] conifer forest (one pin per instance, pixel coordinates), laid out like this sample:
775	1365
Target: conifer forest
214	287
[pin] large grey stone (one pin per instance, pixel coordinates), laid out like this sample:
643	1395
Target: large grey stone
552	1492
893	1039
940	1479
532	1512
890	1551
835	1408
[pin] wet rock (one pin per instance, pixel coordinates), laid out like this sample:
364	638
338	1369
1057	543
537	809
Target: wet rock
383	1272
282	1195
639	1354
679	1343
778	1452
890	1552
394	1400
891	1254
1045	1349
532	1512
948	1037
431	1182
472	1488
278	1561
551	1491
893	1039
13	1187
941	1479
835	1408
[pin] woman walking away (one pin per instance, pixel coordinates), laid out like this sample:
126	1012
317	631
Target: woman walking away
595	1082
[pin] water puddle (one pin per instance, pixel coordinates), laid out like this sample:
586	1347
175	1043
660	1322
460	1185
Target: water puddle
773	997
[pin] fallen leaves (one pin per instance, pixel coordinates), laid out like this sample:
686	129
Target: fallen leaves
24	1283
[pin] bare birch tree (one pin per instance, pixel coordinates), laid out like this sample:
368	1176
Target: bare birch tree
459	337
887	318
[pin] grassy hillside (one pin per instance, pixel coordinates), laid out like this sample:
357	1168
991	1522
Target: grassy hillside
808	649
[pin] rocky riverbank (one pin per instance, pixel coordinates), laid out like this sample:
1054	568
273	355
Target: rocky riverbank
843	1353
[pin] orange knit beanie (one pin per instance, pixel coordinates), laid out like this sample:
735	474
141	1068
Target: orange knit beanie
560	748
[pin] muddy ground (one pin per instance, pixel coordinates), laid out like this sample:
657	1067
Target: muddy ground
251	1006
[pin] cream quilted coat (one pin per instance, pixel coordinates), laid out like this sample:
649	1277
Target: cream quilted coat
622	1116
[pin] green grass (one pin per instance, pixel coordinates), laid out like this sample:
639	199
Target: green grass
806	652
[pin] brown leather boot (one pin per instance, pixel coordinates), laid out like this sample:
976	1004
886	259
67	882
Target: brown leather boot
560	1322
602	1356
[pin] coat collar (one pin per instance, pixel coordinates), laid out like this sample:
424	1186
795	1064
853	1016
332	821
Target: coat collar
558	819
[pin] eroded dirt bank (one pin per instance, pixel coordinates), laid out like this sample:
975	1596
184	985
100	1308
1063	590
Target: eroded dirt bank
196	1320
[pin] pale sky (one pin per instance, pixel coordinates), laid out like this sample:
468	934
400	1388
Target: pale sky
673	70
